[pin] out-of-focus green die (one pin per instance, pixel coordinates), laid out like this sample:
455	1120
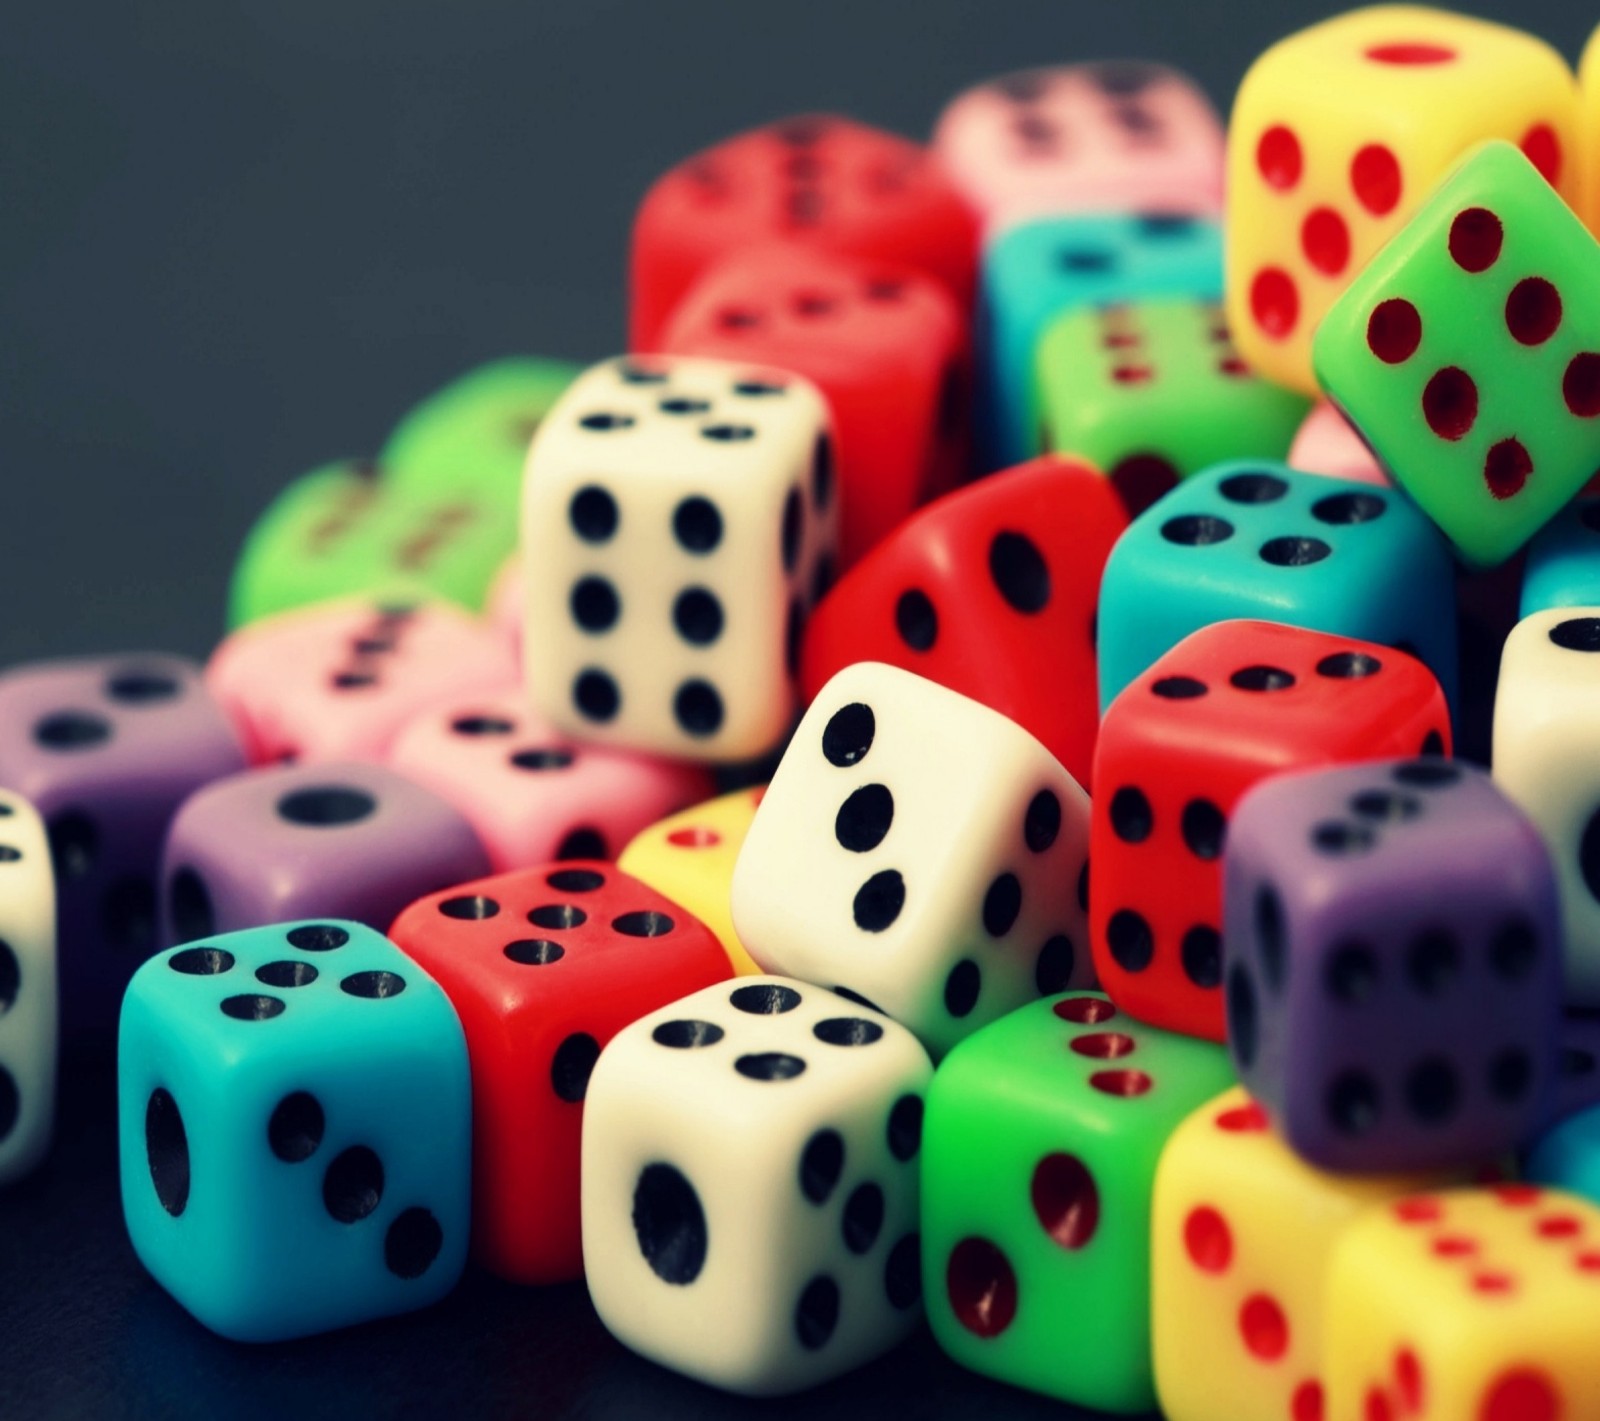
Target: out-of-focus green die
1152	391
1468	354
1040	1142
471	438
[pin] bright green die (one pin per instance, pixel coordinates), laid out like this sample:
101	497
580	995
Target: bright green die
1039	1149
1468	354
472	436
1153	391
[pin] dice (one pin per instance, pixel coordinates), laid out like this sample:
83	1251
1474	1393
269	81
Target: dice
967	589
1577	1063
341	840
1563	563
851	876
1567	1156
1039	1153
607	950
1466	1304
678	522
1338	134
1261	540
750	1185
1327	444
818	179
886	346
28	1022
106	748
531	793
1225	708
1587	198
1153	391
1083	138
1392	943
293	1108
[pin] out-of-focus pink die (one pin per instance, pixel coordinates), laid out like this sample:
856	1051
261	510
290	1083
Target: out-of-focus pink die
1083	137
338	680
532	793
1327	444
504	607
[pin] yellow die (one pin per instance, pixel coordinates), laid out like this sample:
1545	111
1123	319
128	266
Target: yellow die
1474	1305
1337	135
1242	1234
1588	175
690	856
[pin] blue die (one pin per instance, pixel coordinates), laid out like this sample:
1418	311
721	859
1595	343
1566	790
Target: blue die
1264	541
1568	1156
294	1112
1563	563
1034	272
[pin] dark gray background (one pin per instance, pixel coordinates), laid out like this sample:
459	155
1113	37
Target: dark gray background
238	240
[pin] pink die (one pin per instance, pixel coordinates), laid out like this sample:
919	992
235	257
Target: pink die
533	794
1080	138
338	680
1327	444
506	597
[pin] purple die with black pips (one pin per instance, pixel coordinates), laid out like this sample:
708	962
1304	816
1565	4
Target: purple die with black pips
107	748
310	841
1391	936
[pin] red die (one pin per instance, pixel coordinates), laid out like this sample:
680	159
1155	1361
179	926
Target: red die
825	180
886	345
992	592
1225	708
544	966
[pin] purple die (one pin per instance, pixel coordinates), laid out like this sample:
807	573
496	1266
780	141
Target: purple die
107	748
310	841
1393	963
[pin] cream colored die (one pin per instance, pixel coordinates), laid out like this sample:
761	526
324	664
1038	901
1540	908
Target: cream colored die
918	850
28	1032
750	1185
677	517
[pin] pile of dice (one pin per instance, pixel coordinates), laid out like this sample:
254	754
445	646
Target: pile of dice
1258	1086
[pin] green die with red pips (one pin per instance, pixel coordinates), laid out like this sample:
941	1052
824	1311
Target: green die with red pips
1040	1140
1467	353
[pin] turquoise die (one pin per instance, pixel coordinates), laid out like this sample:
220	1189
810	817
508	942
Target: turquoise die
1264	541
294	1115
1563	563
1568	1156
1034	272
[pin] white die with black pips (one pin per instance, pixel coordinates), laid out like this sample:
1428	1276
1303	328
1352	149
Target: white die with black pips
750	1185
679	522
919	851
28	1032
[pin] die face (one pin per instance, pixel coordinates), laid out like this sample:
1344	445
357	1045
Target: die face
1467	355
1040	270
1153	391
1228	707
750	1185
1328	444
28	992
679	516
338	682
532	793
1263	540
851	877
293	1115
1083	137
1337	136
345	840
1563	564
1393	964
1040	1147
1567	1156
1577	1065
886	346
965	591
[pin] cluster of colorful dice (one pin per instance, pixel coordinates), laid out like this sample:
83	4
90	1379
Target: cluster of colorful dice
429	937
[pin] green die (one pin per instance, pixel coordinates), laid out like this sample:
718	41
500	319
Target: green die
1040	1142
1153	391
1468	354
472	436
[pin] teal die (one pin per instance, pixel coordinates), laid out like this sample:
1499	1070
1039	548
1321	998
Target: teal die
1266	542
1467	353
1568	1156
1563	563
294	1122
1034	272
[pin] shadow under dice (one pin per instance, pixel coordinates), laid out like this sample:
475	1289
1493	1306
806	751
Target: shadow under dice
28	996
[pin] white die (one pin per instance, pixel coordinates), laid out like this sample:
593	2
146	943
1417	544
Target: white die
750	1185
1547	758
921	851
678	523
27	988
